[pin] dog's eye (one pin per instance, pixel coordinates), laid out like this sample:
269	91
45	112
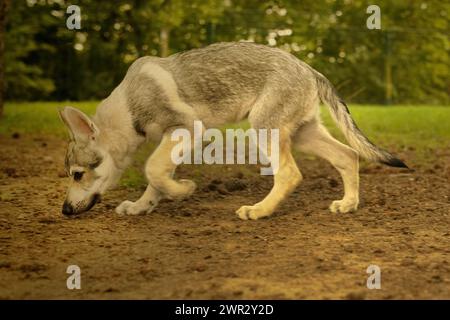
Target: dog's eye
78	175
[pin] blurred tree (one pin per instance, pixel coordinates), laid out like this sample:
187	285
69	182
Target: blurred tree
4	6
28	52
407	61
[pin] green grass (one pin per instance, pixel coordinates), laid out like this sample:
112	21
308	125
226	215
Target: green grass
39	117
417	126
421	128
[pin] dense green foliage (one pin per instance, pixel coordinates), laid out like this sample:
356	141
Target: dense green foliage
45	60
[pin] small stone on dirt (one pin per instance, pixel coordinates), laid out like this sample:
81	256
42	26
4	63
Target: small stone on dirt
239	175
200	268
235	185
333	183
62	174
33	267
10	172
356	296
437	278
47	221
222	190
211	187
15	135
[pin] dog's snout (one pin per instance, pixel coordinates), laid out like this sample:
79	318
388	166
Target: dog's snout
67	209
94	200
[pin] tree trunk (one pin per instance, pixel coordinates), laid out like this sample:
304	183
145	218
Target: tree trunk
4	5
164	35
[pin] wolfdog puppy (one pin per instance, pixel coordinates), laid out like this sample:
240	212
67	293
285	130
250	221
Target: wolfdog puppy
218	84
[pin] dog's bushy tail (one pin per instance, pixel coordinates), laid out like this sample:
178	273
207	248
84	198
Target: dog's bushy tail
353	134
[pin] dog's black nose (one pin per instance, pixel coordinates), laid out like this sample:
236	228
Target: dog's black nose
67	209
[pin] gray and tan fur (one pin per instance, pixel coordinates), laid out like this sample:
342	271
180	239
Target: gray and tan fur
222	83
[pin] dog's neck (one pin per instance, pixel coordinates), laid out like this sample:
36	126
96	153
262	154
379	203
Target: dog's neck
117	135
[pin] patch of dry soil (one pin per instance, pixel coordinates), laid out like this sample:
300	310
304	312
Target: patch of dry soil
198	248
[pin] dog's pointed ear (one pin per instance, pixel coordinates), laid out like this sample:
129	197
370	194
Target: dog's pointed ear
81	128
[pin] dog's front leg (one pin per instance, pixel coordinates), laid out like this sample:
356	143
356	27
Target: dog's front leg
145	204
159	170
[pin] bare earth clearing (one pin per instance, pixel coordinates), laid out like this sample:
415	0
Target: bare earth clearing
198	248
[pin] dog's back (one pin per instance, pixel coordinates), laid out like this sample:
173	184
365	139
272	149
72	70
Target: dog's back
220	83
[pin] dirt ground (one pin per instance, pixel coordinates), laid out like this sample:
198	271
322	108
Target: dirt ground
199	249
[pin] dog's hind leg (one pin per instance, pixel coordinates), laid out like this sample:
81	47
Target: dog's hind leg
159	170
314	138
286	179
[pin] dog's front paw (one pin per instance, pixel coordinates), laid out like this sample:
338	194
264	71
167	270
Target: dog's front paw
182	189
133	208
343	206
252	212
